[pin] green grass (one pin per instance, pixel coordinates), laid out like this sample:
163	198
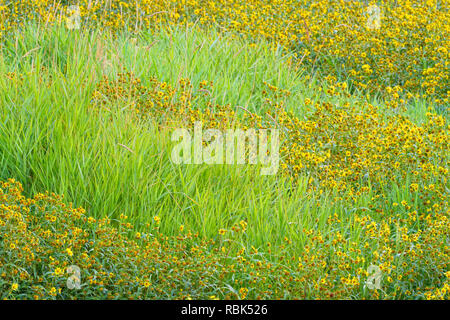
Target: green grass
50	139
106	162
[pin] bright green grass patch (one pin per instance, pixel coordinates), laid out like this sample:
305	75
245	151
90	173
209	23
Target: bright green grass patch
50	138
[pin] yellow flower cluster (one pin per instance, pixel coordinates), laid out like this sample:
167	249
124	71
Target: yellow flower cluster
45	242
352	149
374	46
357	147
170	105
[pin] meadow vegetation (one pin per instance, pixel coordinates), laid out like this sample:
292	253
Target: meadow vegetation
88	113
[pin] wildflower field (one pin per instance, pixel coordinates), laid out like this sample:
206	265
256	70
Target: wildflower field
93	207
